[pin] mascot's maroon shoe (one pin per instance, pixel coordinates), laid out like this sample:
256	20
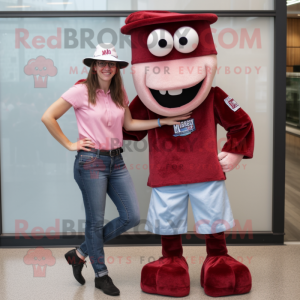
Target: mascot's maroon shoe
221	274
169	275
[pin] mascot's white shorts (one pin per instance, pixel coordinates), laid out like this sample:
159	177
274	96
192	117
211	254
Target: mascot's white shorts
168	208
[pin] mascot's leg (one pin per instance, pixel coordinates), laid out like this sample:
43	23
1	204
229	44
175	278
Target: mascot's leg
169	275
221	274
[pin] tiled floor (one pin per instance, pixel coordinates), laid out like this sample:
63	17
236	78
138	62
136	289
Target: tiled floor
275	273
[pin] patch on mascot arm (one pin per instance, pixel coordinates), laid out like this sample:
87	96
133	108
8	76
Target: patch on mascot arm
184	128
232	104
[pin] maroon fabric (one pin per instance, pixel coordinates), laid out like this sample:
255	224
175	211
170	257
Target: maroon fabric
149	17
240	131
171	245
139	36
80	80
172	160
216	244
221	274
169	275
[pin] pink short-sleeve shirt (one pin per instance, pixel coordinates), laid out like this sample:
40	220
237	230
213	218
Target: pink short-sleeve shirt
101	123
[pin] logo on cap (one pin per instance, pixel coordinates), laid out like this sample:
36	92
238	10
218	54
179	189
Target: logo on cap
106	52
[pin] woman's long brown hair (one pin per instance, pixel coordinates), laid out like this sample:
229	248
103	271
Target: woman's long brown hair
116	91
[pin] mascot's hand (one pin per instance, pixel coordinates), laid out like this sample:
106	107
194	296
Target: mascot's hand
229	161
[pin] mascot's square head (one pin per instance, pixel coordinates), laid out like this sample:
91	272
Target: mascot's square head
174	59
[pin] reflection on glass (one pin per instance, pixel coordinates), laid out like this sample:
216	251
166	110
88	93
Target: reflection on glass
293	99
119	5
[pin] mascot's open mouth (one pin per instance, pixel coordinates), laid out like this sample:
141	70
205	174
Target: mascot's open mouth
176	98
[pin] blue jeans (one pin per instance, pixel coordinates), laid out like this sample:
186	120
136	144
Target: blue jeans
97	175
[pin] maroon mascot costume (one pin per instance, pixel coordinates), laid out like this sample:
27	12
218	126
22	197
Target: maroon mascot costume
174	62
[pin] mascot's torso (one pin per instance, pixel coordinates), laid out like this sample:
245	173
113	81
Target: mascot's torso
176	158
188	153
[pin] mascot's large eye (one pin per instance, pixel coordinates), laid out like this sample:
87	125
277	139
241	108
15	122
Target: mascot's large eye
186	39
160	42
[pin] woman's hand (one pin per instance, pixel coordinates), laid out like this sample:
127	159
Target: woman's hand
174	120
136	124
81	144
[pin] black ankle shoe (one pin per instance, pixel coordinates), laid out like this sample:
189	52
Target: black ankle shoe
77	264
105	284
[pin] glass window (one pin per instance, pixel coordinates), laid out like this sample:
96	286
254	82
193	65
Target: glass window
293	99
76	5
38	188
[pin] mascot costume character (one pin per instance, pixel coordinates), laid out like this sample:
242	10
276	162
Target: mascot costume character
174	62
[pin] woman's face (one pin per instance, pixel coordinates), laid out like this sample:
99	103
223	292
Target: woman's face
105	73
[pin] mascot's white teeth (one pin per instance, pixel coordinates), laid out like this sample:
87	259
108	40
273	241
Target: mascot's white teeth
172	92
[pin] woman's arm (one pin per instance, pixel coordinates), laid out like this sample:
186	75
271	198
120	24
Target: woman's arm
54	112
135	124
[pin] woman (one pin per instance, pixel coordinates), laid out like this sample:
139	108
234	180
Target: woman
101	107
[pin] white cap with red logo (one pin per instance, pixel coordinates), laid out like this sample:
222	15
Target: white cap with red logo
105	51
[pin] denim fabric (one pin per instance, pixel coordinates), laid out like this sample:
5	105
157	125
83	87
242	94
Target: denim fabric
97	175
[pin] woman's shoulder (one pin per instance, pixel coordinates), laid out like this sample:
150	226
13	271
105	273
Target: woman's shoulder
80	88
76	95
80	85
80	81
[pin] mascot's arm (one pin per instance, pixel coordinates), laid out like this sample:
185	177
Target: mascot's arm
240	131
79	81
138	111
